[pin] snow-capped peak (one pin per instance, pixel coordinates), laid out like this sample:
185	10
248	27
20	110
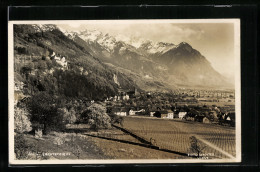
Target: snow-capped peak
71	35
156	47
44	27
135	42
122	38
90	35
109	42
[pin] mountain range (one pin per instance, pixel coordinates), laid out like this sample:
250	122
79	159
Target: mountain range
176	65
114	62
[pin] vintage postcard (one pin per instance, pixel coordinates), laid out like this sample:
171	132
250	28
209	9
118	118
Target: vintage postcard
124	91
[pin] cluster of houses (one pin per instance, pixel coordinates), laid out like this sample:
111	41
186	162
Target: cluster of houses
204	114
121	111
123	95
190	115
169	114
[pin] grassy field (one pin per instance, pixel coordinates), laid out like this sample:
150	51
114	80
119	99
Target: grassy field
59	145
175	135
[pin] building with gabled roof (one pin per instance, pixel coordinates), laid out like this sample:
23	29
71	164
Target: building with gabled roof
181	114
121	111
170	114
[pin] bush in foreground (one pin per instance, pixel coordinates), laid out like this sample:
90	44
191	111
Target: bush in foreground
21	147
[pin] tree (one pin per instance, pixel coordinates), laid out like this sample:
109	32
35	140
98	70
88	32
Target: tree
69	117
196	146
22	50
32	80
49	64
30	65
26	70
21	121
72	116
43	109
42	64
96	116
115	119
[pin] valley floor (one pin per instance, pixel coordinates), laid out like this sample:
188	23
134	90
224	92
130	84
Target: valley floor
138	138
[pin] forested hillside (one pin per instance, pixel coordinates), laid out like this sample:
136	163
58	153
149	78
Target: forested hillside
84	76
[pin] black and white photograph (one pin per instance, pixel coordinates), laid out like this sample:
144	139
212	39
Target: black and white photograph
124	91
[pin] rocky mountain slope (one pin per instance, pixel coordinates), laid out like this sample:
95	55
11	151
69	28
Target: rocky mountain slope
165	62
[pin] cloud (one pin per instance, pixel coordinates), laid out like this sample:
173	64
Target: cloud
75	25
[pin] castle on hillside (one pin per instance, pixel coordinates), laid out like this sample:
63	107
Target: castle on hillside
61	60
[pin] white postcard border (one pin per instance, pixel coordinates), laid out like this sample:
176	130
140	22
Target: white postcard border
13	161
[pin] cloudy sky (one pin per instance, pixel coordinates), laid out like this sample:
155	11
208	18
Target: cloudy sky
215	41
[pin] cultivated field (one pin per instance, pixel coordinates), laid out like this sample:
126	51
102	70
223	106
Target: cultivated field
175	135
201	103
132	141
117	145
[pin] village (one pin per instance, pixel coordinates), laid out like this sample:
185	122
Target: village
206	106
